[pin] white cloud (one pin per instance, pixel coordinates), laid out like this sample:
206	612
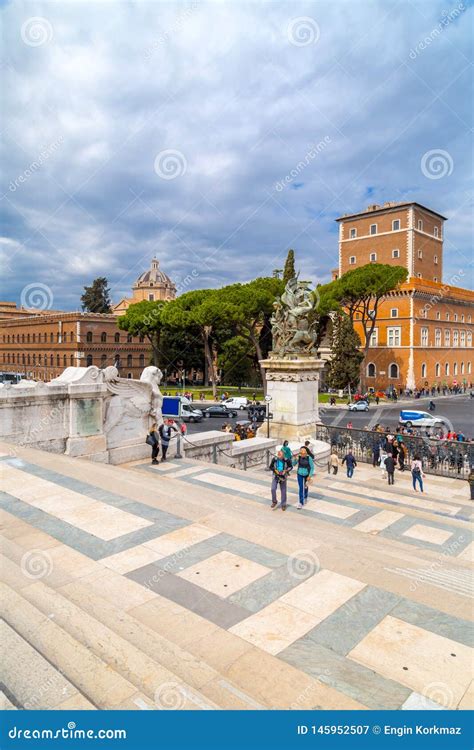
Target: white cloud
221	83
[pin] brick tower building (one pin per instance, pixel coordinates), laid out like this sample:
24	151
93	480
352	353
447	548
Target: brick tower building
423	334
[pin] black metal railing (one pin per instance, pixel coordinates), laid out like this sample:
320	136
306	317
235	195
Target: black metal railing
446	458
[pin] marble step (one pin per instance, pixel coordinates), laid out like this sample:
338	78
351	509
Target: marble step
33	681
132	663
6	704
92	677
168	650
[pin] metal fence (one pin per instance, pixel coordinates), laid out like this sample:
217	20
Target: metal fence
446	458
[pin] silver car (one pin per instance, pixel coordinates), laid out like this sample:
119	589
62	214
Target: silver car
359	406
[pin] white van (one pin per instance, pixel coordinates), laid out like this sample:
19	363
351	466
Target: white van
236	402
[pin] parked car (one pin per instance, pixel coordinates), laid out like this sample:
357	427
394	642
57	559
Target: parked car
421	419
236	402
358	406
219	410
189	414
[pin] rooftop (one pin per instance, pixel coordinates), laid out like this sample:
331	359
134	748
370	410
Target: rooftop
390	205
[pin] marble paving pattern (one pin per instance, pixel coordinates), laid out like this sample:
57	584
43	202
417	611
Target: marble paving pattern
135	590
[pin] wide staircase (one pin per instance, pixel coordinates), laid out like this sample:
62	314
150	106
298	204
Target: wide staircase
84	636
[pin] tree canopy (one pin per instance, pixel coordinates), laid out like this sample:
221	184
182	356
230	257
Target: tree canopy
346	357
96	298
145	319
359	293
289	270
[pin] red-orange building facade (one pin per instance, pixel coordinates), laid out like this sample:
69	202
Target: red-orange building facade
423	333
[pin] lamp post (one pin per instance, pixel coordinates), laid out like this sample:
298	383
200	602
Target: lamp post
267	410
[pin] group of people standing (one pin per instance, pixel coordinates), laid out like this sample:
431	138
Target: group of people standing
161	436
283	464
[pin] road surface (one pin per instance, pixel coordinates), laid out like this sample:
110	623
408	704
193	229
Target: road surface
459	410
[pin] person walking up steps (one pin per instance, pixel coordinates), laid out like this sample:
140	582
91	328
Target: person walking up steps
288	455
304	472
417	473
390	468
334	462
350	462
279	468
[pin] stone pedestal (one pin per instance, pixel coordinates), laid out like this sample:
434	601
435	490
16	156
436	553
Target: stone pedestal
293	387
86	436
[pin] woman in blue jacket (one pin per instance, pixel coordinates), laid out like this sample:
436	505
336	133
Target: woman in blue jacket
304	472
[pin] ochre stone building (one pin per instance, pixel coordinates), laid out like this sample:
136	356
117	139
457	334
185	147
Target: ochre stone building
423	333
40	344
152	285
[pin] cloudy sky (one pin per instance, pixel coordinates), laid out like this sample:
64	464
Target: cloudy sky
176	129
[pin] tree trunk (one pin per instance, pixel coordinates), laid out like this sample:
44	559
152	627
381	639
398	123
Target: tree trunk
209	359
258	351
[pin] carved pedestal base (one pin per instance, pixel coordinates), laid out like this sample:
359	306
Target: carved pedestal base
293	387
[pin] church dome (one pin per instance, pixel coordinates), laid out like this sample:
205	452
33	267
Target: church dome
153	277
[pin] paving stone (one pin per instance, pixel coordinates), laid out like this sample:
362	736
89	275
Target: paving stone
350	678
351	622
204	603
435	621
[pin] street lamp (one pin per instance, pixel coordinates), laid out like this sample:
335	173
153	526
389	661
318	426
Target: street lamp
267	409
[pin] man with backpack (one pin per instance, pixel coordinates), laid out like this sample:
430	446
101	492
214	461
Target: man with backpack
279	469
390	468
